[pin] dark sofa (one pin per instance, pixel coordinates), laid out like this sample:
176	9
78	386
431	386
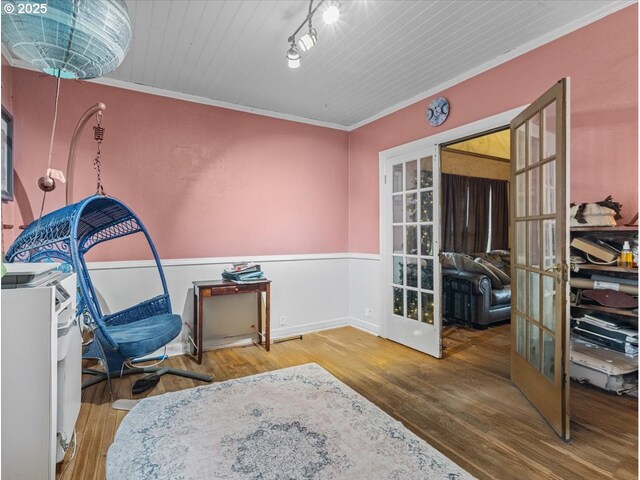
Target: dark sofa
473	294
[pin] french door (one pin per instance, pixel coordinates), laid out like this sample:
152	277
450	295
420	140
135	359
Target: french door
410	213
539	255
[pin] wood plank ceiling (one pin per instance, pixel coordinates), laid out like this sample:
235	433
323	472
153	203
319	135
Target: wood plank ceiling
496	144
379	54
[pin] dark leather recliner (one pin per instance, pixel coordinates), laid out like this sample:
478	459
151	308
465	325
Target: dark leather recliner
469	299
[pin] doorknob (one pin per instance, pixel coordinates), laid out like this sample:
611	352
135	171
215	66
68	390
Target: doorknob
561	268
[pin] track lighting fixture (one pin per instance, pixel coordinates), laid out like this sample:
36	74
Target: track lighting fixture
309	39
293	56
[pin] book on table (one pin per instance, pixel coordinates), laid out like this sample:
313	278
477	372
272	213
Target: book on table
256	280
254	275
243	267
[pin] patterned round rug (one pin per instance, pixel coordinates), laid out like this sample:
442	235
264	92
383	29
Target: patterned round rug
295	423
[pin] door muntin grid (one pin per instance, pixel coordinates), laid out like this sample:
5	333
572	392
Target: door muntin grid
413	240
535	242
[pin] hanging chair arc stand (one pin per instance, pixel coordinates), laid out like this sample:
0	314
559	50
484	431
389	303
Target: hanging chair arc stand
66	235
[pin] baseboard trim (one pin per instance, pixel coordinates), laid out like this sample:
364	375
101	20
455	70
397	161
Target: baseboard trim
240	341
284	332
174	349
178	347
365	326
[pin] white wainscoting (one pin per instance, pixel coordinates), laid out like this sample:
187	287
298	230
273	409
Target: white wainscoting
312	292
365	301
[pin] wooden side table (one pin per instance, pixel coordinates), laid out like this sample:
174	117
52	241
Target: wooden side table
212	288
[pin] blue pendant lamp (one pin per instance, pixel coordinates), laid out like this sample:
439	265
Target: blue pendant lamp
71	38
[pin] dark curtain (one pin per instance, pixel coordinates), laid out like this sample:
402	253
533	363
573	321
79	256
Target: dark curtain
466	217
477	234
454	209
499	214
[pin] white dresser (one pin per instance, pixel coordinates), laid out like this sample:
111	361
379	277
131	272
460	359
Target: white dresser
41	377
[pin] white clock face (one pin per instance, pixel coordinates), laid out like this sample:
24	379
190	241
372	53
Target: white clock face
438	111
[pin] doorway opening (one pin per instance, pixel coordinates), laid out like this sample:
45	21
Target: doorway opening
475	315
476	271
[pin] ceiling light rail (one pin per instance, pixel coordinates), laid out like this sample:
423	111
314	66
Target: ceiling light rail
330	15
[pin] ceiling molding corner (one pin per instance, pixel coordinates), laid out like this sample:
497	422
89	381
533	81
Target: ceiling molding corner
136	87
112	82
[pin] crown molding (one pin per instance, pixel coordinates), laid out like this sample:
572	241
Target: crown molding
214	103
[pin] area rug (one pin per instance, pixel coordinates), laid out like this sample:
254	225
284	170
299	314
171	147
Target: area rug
295	423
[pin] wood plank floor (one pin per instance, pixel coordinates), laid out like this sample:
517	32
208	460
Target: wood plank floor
463	405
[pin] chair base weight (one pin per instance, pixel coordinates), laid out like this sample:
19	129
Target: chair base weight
147	382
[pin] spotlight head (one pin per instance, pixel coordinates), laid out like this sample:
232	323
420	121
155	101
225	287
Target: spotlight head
308	40
331	14
293	56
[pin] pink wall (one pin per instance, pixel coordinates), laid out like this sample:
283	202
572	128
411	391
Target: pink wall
602	61
206	181
7	83
8	208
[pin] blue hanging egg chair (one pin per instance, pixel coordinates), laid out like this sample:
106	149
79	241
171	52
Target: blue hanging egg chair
66	235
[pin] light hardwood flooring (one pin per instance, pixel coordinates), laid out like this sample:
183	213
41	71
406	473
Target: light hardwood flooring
463	405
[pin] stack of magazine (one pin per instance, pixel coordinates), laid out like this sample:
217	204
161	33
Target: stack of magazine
244	272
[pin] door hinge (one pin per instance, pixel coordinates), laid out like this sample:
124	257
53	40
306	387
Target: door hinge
385	178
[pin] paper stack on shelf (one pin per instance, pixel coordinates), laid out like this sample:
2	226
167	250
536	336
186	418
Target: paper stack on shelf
604	353
603	367
244	272
607	331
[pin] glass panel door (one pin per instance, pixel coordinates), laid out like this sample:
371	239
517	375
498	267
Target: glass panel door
540	337
412	230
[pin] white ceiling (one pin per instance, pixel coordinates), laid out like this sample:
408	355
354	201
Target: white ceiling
380	55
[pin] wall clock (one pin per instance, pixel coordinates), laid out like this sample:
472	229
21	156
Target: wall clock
438	111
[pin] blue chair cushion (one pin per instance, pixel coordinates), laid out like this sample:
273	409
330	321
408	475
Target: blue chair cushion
145	336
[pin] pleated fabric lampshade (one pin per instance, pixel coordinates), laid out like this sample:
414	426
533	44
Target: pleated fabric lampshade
71	39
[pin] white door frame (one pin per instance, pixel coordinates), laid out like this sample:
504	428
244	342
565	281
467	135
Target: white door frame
417	149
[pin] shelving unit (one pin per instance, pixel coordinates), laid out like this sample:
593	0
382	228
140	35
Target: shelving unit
599	354
622	232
